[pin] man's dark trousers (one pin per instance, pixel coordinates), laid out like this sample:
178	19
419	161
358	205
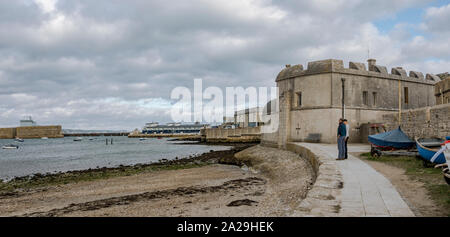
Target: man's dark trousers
346	150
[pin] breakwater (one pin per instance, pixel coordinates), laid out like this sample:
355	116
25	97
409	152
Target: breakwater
110	134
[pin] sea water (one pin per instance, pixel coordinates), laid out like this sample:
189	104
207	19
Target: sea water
64	154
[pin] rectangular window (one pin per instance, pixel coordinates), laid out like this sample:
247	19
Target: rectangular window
299	99
365	98
374	98
406	96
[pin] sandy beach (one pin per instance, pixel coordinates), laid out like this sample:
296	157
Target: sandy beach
251	185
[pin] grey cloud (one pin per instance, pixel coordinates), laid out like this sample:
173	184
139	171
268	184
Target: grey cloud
73	61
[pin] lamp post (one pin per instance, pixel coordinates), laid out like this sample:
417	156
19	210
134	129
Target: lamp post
343	97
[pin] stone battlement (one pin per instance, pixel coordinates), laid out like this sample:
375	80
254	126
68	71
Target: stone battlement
356	68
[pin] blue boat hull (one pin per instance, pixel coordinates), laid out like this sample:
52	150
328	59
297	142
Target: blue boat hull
427	154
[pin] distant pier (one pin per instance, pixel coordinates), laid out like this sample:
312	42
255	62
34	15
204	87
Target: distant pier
106	134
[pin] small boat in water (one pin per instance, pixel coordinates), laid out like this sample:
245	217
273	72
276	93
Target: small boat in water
428	147
19	139
395	139
44	138
10	146
78	139
142	139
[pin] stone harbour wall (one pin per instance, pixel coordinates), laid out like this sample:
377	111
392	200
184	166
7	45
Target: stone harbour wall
31	132
424	122
7	133
40	131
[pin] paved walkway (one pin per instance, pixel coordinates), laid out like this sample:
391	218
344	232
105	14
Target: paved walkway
365	192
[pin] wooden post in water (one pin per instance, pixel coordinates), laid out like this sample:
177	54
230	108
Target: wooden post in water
106	141
111	141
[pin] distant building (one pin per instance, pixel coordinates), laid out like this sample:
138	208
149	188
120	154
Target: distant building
311	101
27	122
442	91
173	128
248	117
228	123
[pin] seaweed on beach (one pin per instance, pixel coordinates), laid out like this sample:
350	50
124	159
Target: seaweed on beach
25	183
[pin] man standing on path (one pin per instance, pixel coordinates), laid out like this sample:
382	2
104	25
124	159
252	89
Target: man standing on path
341	134
347	135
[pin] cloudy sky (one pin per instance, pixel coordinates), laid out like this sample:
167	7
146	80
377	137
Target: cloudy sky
111	64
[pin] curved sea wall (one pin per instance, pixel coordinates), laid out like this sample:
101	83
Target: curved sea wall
321	198
326	182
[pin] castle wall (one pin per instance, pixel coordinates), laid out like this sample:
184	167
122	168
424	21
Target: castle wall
368	95
442	91
423	122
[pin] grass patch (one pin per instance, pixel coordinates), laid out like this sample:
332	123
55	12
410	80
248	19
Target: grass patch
432	178
41	181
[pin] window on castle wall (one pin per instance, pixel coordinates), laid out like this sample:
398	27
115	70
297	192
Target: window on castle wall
406	95
365	98
374	94
299	99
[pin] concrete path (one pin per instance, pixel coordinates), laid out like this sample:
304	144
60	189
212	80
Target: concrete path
365	191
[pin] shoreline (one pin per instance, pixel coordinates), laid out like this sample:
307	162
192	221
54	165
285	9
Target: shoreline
38	180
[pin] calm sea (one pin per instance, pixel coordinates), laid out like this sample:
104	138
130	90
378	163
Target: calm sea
64	154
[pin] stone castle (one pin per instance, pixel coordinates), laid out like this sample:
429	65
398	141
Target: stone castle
312	100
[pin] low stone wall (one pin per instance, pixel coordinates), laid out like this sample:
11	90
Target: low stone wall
39	131
7	133
424	122
321	198
249	134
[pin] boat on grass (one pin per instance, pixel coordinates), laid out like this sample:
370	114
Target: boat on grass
394	139
427	147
